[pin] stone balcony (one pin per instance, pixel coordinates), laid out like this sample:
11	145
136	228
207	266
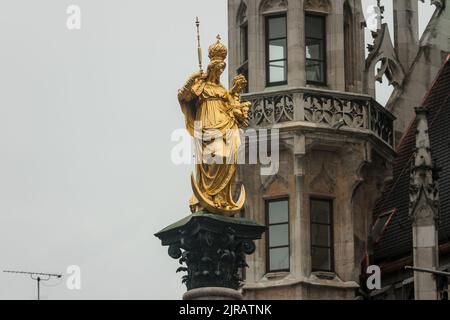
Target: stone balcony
308	108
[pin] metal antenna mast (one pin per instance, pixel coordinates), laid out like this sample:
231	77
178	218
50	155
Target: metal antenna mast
38	277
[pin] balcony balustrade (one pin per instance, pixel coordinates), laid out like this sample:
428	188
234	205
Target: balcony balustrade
324	108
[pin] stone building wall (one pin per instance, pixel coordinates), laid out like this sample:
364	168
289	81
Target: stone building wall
348	164
253	12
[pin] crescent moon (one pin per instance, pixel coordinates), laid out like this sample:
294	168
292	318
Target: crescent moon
209	205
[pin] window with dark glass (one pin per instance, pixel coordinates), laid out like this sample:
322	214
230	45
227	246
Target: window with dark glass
277	212
276	50
322	235
315	49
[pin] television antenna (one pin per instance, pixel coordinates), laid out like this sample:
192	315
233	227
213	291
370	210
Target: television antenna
38	277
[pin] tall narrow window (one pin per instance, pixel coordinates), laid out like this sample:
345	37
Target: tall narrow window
276	50
277	215
315	49
322	235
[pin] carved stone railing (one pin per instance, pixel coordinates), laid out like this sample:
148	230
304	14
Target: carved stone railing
335	110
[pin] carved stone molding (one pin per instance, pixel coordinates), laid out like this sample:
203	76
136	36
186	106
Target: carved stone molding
317	5
269	180
271	109
268	6
382	50
323	182
242	13
332	111
335	110
424	187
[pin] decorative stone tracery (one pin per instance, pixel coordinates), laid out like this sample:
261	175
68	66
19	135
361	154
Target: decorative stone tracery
317	5
268	6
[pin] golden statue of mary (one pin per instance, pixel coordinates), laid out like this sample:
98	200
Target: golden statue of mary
213	117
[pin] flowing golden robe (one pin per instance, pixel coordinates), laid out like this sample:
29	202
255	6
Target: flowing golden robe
208	109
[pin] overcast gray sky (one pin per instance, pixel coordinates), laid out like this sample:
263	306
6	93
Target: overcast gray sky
86	118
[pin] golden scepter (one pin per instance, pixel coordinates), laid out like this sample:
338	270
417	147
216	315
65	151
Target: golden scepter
199	48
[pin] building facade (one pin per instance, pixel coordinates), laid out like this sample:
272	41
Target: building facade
311	83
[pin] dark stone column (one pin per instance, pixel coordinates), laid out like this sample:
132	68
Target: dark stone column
211	250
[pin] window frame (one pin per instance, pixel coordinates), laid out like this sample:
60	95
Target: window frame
267	201
330	201
267	53
323	16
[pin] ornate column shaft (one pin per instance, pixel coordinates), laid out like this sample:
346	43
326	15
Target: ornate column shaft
211	250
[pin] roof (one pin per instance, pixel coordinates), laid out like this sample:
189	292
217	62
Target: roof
395	242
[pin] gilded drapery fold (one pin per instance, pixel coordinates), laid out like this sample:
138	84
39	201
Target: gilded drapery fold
213	116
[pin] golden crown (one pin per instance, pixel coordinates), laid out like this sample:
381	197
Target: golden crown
217	51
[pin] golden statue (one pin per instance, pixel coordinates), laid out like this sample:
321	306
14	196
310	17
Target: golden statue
213	117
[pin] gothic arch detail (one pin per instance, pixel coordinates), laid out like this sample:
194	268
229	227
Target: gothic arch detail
268	6
392	70
317	5
270	180
382	50
324	182
242	13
